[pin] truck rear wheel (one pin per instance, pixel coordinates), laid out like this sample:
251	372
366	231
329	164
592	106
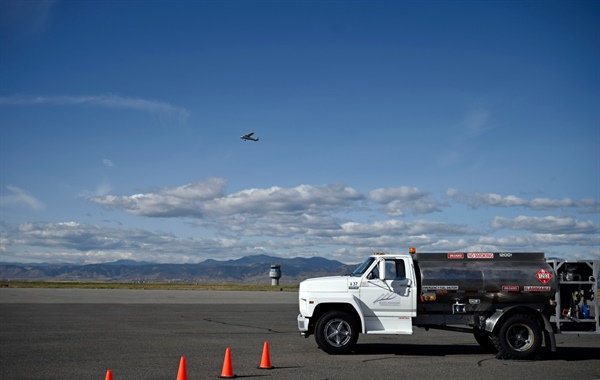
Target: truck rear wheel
520	337
336	332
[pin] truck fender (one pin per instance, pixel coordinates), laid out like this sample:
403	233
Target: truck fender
347	299
490	324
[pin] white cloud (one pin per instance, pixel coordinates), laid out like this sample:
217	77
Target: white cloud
590	206
104	188
402	193
108	163
19	196
304	220
546	224
477	122
401	228
403	200
478	200
207	197
548	204
82	243
110	101
541	242
182	201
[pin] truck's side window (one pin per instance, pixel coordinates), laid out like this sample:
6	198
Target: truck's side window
374	274
390	269
400	269
395	269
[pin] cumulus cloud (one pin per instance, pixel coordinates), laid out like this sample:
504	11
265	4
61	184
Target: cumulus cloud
539	242
323	220
280	224
203	198
183	201
19	196
83	243
546	224
478	200
403	193
403	200
590	206
400	228
300	199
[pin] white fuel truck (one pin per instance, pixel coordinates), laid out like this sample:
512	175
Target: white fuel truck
510	301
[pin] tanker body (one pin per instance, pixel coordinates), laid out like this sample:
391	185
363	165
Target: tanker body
512	302
481	283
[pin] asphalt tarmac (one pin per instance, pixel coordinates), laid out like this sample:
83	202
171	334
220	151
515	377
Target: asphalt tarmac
142	334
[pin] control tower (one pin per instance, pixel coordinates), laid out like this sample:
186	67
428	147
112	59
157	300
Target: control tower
275	274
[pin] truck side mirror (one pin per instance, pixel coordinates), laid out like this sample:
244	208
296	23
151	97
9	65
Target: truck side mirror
381	265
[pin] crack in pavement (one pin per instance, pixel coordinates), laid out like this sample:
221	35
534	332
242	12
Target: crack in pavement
240	325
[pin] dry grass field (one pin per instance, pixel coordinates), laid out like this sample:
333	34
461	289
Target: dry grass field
153	286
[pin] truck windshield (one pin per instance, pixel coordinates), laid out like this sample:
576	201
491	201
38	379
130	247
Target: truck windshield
363	267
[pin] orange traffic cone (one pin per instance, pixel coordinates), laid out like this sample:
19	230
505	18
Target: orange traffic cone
227	371
182	374
108	375
265	362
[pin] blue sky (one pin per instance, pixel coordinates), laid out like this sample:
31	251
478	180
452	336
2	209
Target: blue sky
383	125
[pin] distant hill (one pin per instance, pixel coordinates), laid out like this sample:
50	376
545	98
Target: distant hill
250	269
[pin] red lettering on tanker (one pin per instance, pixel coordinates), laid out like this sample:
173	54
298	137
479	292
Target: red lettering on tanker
536	288
544	276
456	255
510	288
480	255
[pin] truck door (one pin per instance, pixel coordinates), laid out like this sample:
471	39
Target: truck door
388	300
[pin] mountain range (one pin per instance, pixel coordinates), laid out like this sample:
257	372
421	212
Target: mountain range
250	269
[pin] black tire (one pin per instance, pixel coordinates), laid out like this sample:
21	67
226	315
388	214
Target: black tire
485	341
519	337
336	332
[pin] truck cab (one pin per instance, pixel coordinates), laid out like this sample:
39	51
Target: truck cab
379	297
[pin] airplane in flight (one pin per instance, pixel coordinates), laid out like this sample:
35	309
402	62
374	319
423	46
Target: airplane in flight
249	137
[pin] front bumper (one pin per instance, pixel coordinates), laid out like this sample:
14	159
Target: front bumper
303	325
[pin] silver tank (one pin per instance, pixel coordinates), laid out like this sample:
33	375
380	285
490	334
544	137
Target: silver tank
498	277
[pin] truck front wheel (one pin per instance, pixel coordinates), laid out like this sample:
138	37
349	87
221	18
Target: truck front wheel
519	337
336	332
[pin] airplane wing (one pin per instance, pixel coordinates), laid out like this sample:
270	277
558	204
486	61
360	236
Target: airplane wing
249	137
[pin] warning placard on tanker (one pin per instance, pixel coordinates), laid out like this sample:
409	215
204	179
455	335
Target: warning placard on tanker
544	276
